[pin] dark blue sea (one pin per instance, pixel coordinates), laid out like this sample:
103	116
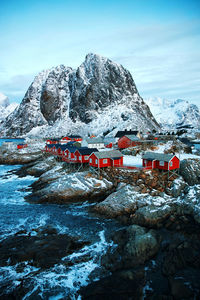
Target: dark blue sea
18	215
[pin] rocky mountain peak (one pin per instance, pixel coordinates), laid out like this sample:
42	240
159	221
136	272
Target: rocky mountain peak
99	96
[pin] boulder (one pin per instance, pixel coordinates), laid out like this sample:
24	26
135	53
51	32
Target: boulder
59	187
118	203
135	245
190	171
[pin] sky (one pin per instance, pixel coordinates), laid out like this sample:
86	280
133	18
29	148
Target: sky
158	41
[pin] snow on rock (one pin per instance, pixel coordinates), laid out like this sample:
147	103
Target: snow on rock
100	96
4	101
190	170
62	187
5	107
171	114
153	211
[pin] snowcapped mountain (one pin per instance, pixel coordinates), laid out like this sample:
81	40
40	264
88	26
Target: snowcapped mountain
5	107
171	114
100	96
4	101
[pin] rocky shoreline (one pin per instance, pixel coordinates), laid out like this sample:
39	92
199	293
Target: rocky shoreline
156	254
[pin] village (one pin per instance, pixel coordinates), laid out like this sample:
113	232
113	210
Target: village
100	153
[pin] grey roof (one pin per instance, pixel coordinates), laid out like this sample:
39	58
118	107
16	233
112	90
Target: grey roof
132	137
86	151
157	156
124	132
109	154
98	140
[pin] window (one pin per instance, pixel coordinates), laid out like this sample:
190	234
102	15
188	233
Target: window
105	161
90	160
96	162
145	161
79	157
171	163
162	163
86	157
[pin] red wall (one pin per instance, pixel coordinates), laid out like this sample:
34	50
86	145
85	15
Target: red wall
117	162
100	163
147	164
176	163
156	164
124	142
93	163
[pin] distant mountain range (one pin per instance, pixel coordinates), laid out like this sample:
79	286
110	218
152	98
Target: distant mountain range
5	107
99	97
173	114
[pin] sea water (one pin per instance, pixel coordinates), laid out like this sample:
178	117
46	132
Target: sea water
18	215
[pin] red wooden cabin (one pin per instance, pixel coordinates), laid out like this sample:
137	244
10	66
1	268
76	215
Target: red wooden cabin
82	154
103	159
48	147
160	161
71	154
110	145
22	146
128	141
74	138
52	141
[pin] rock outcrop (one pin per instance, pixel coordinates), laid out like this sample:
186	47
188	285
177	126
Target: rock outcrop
59	185
190	170
99	96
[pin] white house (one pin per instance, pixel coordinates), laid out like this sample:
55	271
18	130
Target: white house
93	143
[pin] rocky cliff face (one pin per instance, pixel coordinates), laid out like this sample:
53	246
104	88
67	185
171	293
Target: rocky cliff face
99	96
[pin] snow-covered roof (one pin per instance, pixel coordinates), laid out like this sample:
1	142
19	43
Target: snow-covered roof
98	140
157	156
132	137
109	154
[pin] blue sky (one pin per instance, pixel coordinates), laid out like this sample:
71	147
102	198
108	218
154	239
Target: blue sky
158	41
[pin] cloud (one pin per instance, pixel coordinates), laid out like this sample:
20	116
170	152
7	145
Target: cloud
16	86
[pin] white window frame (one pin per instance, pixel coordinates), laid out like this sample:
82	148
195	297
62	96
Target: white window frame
86	157
171	163
105	161
90	160
161	163
96	161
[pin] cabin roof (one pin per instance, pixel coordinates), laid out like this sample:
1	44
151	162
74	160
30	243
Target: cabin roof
53	140
50	145
157	156
74	136
109	154
126	132
57	146
97	140
72	149
132	137
85	151
63	147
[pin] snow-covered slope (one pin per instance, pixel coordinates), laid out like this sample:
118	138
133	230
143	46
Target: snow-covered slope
5	107
171	114
4	101
99	96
